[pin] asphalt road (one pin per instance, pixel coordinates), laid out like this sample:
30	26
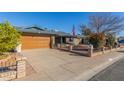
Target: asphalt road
115	72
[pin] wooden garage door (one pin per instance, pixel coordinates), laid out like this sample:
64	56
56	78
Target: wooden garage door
32	42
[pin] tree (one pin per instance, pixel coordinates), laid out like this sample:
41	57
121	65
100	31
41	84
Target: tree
106	23
93	38
9	37
101	25
85	30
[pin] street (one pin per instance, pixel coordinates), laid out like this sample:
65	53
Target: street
115	72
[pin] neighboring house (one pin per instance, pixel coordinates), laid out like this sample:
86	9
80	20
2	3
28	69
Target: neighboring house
35	37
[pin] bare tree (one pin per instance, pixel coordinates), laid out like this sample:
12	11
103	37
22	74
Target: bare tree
85	30
106	23
102	26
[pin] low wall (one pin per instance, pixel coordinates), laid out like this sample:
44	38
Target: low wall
89	53
70	48
21	66
12	67
105	51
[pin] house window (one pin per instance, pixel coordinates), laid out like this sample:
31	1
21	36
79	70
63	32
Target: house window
70	39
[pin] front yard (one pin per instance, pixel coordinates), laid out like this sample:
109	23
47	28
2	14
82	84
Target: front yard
51	64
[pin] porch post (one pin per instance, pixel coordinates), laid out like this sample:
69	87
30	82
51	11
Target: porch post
84	40
90	50
52	41
61	39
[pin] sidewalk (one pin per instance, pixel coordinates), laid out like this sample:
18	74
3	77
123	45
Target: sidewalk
50	64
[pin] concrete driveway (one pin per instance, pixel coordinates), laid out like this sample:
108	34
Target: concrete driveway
51	64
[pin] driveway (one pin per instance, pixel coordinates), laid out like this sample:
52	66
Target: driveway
51	64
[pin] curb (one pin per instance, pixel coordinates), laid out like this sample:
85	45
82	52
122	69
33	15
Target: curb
92	72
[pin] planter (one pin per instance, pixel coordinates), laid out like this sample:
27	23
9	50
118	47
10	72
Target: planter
12	67
8	61
8	67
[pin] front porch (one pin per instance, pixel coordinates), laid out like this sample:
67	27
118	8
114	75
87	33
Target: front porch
55	40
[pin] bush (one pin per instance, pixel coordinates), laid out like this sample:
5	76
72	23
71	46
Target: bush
110	40
97	40
9	37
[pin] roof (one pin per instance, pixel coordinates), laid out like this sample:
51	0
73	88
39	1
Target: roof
39	30
81	36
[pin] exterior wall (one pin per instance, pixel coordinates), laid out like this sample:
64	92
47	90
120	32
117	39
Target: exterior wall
76	41
59	39
69	40
32	41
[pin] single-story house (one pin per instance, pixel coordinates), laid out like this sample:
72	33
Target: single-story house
37	37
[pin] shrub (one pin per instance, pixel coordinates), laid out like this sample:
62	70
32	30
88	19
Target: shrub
110	40
97	40
9	37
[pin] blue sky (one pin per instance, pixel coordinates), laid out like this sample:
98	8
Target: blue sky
62	21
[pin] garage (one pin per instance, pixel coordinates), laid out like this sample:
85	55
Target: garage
37	37
35	41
